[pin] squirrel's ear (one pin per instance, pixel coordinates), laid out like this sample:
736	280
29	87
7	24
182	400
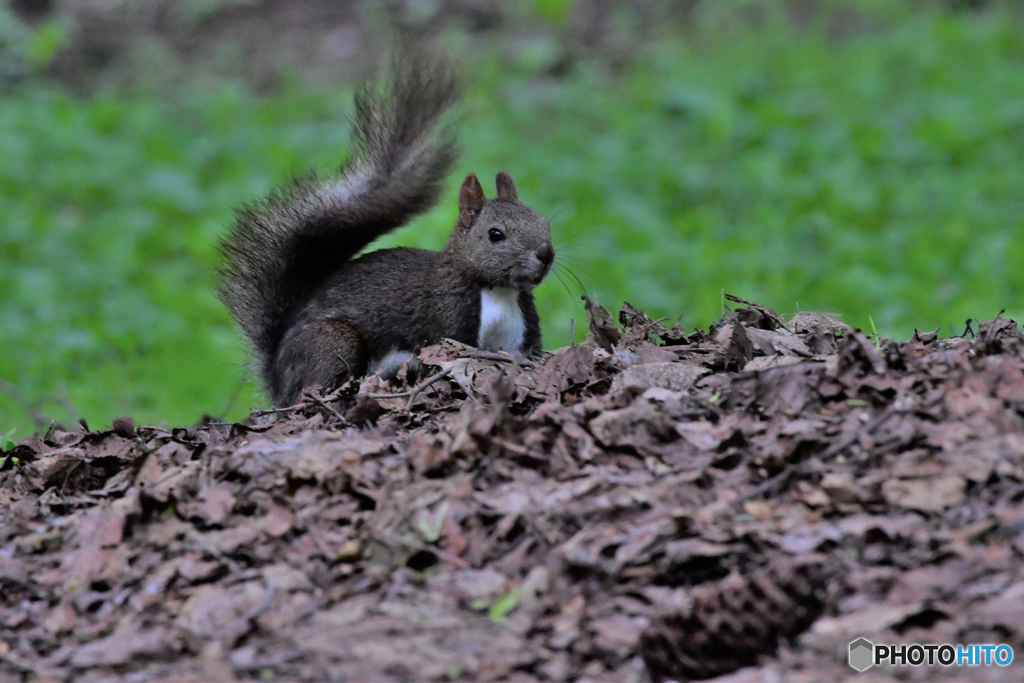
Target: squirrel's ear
506	188
471	199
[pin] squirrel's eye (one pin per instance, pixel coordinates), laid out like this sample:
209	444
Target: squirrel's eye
495	235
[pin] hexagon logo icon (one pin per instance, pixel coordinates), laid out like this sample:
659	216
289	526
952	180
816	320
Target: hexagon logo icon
862	654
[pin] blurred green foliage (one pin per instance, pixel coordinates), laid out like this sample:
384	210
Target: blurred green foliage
881	174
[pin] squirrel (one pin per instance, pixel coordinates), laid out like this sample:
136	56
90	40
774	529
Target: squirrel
316	314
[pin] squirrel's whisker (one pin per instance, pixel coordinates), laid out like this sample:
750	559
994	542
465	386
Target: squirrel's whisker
574	260
579	268
555	215
572	275
573	257
570	245
564	286
563	276
559	268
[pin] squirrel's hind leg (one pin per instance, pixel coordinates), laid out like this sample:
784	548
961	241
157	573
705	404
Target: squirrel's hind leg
323	352
389	365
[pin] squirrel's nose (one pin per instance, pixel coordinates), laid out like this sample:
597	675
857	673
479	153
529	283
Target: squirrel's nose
546	254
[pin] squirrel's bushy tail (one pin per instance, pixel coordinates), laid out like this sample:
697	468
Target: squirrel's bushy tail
281	249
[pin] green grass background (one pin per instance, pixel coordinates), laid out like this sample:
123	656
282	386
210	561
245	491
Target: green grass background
879	174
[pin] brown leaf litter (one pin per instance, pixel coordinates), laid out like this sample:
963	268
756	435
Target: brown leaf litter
648	505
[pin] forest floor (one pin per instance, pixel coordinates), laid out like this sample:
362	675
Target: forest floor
647	505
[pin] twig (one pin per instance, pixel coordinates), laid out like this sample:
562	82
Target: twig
222	415
263	606
518	450
845	442
329	398
488	355
768	485
348	368
167	477
280	411
991	329
766	312
243	624
65	401
67	477
502	358
423	385
415	391
323	404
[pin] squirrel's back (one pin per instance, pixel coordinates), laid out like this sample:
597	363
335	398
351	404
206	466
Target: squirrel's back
282	250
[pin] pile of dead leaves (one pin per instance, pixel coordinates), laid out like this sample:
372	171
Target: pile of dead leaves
648	505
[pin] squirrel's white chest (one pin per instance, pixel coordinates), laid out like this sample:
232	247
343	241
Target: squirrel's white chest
502	327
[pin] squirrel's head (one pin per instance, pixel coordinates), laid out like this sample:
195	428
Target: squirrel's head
501	241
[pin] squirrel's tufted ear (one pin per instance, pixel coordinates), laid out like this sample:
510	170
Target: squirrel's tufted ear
506	188
471	199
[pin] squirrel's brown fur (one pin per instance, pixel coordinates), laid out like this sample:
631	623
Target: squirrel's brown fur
313	313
